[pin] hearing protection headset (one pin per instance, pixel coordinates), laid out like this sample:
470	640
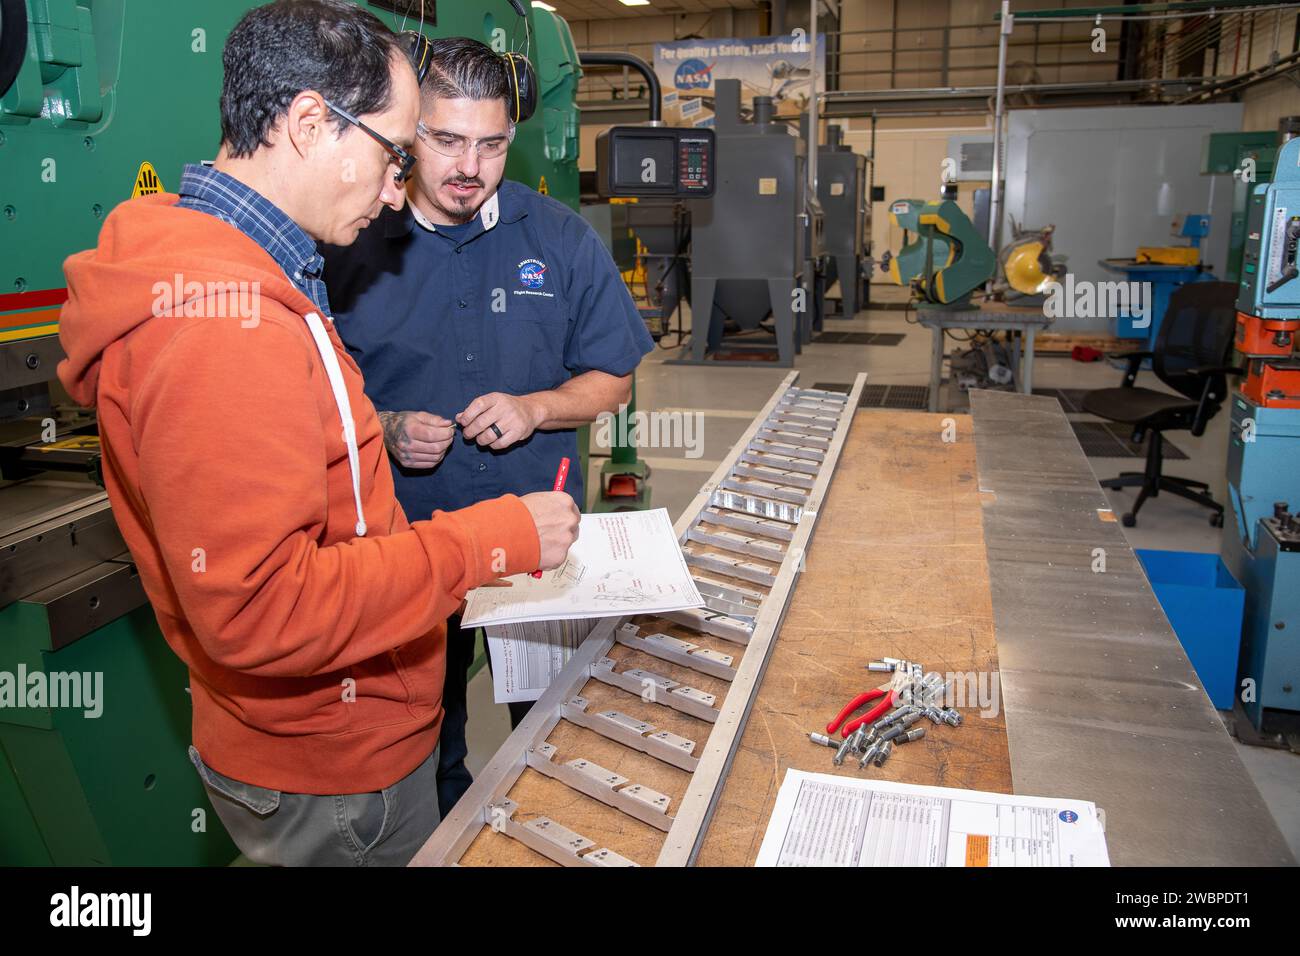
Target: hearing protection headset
523	87
522	101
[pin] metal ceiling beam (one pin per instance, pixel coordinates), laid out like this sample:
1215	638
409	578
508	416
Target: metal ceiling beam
1140	9
1284	66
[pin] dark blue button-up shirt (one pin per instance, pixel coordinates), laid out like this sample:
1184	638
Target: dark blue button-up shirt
243	207
519	300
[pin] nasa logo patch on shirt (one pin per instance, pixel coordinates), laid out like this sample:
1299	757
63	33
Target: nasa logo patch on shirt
532	276
532	273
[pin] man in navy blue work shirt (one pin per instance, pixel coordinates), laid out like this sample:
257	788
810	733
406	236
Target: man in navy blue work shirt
489	322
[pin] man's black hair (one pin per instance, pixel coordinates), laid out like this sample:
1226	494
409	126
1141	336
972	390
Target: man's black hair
278	50
464	68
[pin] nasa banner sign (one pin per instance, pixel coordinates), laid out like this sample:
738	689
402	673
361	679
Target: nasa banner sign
779	66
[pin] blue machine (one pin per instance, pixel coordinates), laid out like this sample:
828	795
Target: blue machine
1164	278
1195	228
1261	533
1261	547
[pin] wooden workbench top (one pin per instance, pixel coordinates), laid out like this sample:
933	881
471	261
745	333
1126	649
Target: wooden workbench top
896	568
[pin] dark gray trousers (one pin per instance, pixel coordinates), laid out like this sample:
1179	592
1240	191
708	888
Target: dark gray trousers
275	828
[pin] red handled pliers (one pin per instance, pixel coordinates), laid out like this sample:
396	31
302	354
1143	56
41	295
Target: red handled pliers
890	701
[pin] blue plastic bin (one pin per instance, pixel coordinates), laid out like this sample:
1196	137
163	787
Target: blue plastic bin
1204	603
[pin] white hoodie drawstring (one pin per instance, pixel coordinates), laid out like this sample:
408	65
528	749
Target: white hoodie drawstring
335	372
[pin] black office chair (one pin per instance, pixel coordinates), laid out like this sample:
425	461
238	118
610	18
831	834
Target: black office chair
1191	355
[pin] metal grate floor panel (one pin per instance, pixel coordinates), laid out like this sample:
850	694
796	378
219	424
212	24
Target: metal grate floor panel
1112	440
1071	399
903	397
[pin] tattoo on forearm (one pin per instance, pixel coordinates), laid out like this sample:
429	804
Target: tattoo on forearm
394	425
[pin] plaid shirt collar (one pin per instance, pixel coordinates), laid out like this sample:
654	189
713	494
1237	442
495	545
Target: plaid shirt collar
207	190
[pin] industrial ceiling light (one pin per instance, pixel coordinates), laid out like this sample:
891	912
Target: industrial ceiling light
543	6
635	3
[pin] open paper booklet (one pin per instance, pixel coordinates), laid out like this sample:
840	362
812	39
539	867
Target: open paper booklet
624	563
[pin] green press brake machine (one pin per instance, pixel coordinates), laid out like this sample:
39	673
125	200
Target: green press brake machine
101	100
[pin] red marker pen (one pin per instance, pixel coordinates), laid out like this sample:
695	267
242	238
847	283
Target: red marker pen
561	475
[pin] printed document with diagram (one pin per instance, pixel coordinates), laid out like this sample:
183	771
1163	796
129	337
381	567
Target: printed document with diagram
526	656
825	820
623	563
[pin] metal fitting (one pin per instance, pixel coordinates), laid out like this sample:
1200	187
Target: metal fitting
909	719
934	683
935	714
880	666
888	720
892	717
910	736
823	740
869	756
892	732
952	716
856	744
885	750
842	752
898	713
935	694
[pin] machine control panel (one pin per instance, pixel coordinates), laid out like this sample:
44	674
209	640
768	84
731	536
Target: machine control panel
662	162
1270	268
1285	527
1271	253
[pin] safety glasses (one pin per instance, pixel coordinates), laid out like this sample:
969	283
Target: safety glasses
400	157
452	144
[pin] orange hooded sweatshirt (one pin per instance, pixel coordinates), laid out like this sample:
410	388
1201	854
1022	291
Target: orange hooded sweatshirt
316	655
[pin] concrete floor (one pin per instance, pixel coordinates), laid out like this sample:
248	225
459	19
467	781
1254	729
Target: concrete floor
730	397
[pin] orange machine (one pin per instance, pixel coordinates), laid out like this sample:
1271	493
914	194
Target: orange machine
1272	375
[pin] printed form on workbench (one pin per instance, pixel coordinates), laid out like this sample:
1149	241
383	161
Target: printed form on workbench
827	820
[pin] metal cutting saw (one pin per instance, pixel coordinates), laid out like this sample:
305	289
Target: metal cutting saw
1026	266
946	261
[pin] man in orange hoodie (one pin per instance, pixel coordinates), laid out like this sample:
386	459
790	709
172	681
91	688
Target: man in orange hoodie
246	467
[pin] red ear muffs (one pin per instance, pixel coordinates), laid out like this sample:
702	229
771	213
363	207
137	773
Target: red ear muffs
523	87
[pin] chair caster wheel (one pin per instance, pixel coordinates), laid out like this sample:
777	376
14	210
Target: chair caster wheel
1128	520
1216	519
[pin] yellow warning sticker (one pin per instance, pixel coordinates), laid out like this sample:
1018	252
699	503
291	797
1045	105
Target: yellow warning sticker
75	443
542	187
146	181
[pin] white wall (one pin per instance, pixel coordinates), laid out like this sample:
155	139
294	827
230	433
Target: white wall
908	157
1102	176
